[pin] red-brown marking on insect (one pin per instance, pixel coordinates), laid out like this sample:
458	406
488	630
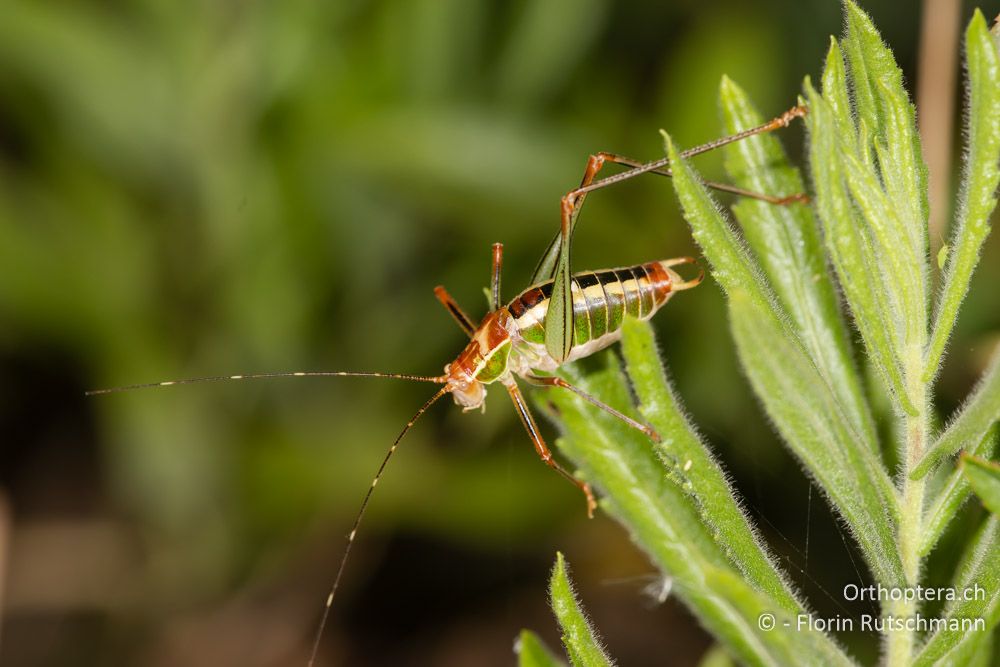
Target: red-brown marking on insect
532	297
466	362
659	280
526	302
492	333
495	329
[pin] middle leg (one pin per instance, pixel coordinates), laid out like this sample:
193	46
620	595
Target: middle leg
554	381
543	451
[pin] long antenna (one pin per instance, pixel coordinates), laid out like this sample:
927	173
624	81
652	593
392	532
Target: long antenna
442	379
361	513
258	376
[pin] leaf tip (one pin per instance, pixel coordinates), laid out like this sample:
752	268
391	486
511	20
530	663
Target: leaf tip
856	17
668	144
979	29
559	581
728	87
810	91
734	101
833	53
531	651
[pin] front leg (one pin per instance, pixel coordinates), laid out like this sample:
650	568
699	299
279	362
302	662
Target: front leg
543	451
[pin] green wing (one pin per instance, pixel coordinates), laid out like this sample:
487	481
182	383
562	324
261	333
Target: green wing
555	265
547	264
559	319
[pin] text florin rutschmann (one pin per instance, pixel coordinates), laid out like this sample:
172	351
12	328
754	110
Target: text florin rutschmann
872	623
888	623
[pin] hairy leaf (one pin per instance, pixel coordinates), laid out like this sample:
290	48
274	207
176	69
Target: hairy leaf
786	242
808	419
682	448
979	183
581	642
822	437
984	478
532	652
980	568
649	495
847	237
969	427
952	496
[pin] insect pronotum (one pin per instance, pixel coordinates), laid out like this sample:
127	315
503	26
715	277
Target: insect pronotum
559	318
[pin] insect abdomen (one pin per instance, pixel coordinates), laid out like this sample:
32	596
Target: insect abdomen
601	299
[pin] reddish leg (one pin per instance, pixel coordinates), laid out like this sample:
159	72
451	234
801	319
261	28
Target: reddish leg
573	200
570	209
456	311
639	167
660	166
784	120
552	381
542	448
495	276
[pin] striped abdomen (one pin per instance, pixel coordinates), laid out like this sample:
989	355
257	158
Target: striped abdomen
601	299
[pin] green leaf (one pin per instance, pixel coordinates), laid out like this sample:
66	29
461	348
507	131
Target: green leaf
952	496
532	652
833	131
787	641
732	265
786	242
807	417
984	478
834	84
652	499
883	105
838	457
847	237
874	180
860	28
641	490
975	651
899	272
980	568
979	183
701	473
871	187
582	645
980	412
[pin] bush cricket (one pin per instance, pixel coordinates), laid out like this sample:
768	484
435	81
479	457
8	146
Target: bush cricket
559	318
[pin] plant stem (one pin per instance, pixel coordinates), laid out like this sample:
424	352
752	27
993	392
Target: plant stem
902	642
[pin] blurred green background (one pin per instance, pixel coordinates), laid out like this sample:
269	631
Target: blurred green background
193	188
